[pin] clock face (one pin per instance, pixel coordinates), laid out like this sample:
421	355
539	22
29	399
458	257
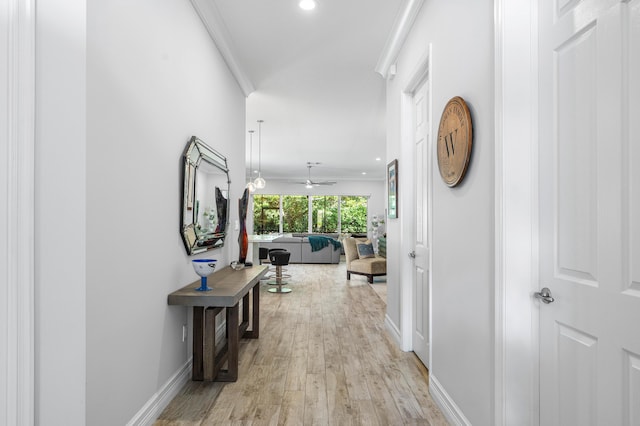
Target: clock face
455	135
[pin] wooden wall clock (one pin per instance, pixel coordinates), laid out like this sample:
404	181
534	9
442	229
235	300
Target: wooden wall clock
455	136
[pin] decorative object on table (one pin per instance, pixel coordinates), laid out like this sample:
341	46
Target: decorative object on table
392	189
243	238
204	203
204	268
260	182
455	137
237	266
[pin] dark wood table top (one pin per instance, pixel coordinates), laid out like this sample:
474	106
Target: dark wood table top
228	287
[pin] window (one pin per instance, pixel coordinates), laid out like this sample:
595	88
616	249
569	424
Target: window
325	213
295	209
266	214
353	214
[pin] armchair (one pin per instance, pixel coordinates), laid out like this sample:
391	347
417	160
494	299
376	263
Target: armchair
369	266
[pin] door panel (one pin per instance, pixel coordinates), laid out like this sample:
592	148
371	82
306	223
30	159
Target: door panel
632	388
576	167
589	212
421	282
577	355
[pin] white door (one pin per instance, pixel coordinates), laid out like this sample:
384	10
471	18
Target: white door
421	288
590	212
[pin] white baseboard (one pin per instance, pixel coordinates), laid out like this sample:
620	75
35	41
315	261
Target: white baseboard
448	407
393	330
159	401
153	408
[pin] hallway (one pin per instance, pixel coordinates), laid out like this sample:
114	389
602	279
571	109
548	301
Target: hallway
323	358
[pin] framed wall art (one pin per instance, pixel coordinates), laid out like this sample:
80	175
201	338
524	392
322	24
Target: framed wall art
392	189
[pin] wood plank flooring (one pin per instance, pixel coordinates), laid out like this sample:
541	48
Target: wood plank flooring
323	358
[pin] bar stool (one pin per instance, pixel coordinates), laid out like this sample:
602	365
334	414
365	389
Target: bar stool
263	254
279	259
271	273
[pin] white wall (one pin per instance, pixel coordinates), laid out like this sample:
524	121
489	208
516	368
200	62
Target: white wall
154	79
60	212
121	87
461	34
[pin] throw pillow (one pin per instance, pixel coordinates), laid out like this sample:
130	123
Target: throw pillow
365	251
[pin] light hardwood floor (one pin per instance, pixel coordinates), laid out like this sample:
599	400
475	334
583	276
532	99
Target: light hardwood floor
323	358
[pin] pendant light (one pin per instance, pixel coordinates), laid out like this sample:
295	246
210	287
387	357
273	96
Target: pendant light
250	185
260	182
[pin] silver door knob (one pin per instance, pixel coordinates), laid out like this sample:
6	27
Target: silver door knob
412	254
545	295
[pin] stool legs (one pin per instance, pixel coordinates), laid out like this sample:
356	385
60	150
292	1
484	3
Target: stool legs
279	281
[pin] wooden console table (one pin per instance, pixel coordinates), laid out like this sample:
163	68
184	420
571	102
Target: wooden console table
228	287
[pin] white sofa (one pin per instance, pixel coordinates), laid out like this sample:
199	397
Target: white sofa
300	250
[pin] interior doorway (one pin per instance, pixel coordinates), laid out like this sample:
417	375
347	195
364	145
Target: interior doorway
421	254
416	130
590	308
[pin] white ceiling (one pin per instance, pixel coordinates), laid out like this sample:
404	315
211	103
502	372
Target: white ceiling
315	85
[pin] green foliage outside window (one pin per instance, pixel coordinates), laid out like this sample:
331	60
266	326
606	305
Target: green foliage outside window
295	209
266	214
353	214
325	213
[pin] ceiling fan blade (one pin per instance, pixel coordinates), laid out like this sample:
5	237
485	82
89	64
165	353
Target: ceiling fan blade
310	182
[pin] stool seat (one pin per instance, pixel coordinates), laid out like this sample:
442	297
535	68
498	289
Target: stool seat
279	258
263	254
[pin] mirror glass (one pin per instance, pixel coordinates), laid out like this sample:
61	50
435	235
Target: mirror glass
205	197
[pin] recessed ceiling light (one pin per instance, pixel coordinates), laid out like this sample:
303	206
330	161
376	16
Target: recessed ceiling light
364	173
307	4
378	159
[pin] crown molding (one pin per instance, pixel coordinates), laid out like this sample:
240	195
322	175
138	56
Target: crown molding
210	17
399	31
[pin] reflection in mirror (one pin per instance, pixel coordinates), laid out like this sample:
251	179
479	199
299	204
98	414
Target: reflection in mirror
205	198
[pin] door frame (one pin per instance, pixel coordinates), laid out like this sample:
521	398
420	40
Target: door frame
421	73
516	360
17	347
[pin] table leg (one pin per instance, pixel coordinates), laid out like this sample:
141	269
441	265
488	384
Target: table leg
233	332
245	308
209	351
197	369
254	333
256	311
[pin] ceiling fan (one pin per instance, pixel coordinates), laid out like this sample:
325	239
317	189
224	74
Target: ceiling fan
311	183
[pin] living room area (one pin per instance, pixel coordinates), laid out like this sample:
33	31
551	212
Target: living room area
292	213
312	224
